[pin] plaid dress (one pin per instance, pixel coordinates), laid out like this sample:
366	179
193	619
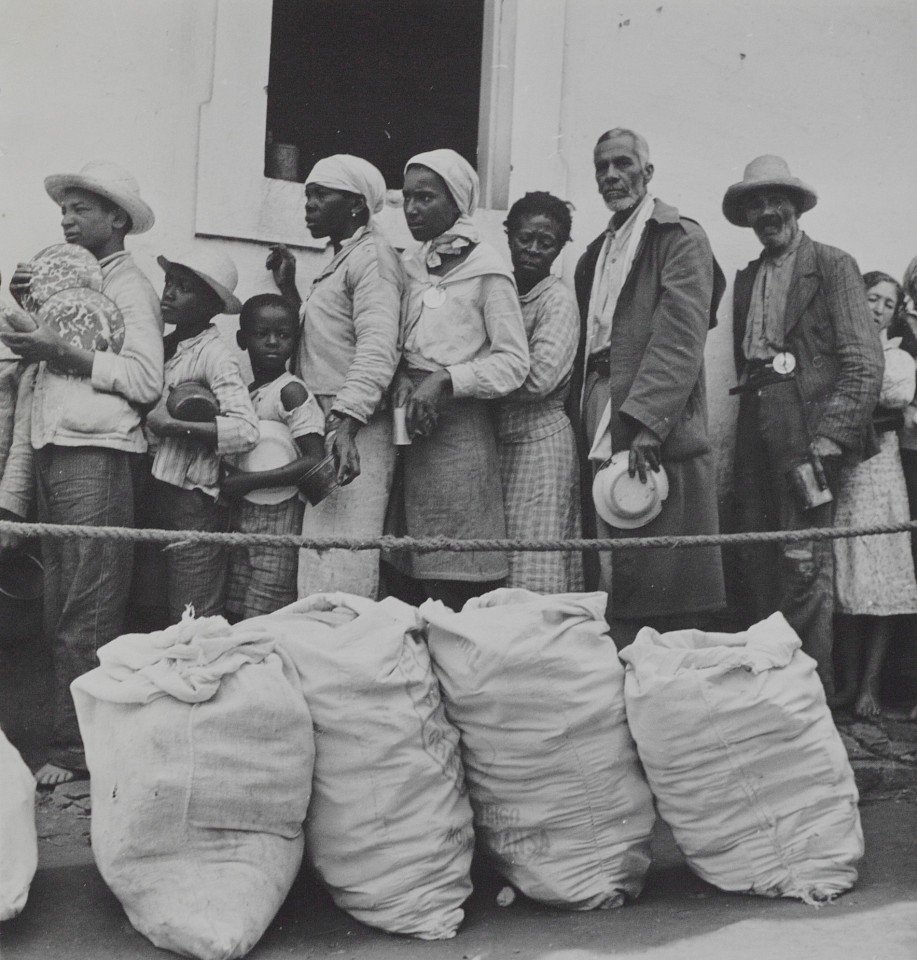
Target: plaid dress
537	447
263	579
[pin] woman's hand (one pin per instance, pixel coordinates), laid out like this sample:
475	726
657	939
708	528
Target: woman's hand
402	389
21	281
423	407
341	440
282	265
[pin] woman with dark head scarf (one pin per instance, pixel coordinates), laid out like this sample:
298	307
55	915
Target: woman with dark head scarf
347	354
463	343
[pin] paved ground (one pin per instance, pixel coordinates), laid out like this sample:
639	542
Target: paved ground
71	915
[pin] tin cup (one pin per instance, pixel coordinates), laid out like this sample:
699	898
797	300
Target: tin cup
321	480
806	488
399	419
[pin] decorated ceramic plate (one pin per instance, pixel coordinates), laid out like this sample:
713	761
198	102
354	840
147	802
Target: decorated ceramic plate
275	448
85	318
62	266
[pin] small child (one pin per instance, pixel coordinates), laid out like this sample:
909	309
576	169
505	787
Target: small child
186	467
263	579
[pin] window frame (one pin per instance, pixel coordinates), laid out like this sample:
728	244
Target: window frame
236	200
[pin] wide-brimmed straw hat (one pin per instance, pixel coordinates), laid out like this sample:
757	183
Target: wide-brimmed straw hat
625	501
110	181
765	172
214	268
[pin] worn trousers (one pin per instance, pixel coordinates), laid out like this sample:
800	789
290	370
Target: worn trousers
195	573
796	578
86	582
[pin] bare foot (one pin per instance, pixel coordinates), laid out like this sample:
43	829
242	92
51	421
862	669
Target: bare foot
51	775
867	704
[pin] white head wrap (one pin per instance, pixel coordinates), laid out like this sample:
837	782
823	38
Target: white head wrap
353	174
458	174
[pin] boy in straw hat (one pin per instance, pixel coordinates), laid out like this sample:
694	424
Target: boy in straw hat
86	439
810	366
186	465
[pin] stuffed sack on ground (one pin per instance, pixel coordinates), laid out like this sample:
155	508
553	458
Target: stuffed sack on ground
200	748
535	686
744	760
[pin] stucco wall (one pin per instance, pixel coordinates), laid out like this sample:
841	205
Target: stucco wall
827	83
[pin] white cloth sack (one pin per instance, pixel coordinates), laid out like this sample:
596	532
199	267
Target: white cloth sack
199	745
18	837
389	828
743	757
536	689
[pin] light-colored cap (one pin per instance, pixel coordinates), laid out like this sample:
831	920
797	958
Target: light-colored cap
110	181
765	172
214	268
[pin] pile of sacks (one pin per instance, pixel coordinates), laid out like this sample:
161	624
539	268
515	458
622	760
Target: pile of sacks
386	741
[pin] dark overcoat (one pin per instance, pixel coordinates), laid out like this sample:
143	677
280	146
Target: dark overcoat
666	306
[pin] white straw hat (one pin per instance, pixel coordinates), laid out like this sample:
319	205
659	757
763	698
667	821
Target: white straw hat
765	172
214	268
624	501
110	181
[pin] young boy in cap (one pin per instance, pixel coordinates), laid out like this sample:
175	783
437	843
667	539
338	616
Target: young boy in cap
186	464
263	579
86	440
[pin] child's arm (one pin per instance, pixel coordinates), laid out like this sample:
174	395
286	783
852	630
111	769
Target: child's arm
236	483
307	419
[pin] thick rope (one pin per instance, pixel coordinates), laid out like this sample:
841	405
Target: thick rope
179	538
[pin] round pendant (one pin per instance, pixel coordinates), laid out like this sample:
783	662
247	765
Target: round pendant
784	363
434	297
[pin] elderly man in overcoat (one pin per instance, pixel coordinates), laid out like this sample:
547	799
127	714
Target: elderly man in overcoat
648	288
810	367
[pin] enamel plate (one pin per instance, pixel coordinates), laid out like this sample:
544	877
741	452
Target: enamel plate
85	318
63	266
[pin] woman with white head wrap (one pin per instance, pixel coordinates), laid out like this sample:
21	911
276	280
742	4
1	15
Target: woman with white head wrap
347	354
463	343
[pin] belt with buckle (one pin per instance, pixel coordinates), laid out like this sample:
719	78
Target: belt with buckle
599	363
766	373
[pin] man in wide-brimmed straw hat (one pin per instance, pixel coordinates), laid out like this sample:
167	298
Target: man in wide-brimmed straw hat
810	366
86	436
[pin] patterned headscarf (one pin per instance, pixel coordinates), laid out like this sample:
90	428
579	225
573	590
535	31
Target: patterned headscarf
353	174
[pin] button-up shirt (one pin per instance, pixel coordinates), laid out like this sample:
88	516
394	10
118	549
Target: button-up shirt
191	464
764	336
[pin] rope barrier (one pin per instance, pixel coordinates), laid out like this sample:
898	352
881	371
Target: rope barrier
178	538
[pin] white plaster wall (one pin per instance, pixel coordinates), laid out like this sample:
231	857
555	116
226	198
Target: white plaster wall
827	83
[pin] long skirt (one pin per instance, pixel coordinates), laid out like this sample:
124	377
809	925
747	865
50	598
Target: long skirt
358	511
450	486
541	498
874	575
